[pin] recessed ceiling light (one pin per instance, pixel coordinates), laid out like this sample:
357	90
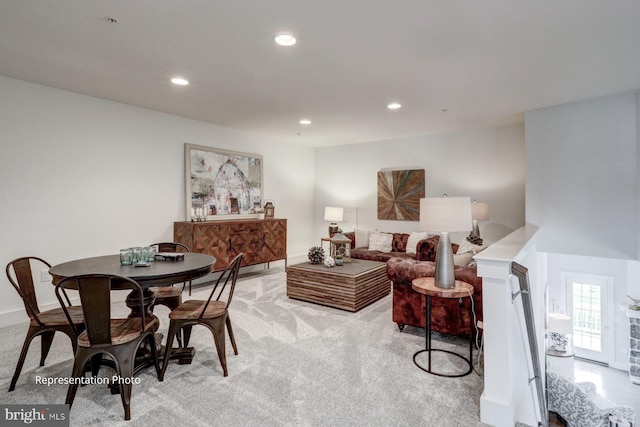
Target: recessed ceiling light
285	39
305	122
179	81
394	106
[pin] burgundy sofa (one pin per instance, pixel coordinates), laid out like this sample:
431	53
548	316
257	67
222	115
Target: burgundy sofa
448	316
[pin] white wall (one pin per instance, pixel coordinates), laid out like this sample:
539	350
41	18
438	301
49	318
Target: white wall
487	165
582	191
582	173
81	176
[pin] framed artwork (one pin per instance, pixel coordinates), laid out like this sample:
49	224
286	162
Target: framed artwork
399	194
222	184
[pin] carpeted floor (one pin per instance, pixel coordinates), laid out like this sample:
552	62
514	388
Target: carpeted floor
299	364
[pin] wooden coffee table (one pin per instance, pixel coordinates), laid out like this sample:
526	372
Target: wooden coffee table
350	287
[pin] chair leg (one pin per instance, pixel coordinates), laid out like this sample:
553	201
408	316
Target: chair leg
31	333
79	361
154	353
186	334
179	338
217	329
231	337
174	326
125	371
96	361
46	338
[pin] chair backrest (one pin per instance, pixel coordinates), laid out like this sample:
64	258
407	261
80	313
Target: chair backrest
171	247
228	277
20	274
95	298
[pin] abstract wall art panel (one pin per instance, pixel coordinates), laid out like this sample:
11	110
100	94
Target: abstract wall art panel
399	194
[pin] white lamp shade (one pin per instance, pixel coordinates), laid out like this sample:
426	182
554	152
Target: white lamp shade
333	213
560	323
480	211
439	214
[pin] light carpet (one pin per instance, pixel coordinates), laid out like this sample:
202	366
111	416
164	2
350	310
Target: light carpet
299	364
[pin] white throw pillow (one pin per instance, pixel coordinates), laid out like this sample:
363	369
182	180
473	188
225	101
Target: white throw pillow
462	259
380	241
466	246
362	238
414	239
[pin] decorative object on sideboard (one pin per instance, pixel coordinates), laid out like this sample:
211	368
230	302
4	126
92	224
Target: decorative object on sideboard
479	212
228	183
260	213
339	260
334	215
561	329
341	245
329	262
635	305
316	255
198	212
399	194
269	210
444	215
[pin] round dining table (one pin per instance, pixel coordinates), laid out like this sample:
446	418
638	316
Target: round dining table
158	273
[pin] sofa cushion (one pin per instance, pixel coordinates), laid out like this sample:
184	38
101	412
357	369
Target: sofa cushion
427	248
414	239
462	259
380	242
468	247
362	253
399	242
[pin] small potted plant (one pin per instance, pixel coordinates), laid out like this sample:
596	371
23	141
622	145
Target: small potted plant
339	260
260	212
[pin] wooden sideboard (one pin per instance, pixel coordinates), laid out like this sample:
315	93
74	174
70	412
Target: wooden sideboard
261	241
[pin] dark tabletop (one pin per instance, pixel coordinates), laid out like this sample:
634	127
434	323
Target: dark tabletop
159	273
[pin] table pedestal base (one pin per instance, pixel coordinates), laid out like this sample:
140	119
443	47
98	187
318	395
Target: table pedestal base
440	374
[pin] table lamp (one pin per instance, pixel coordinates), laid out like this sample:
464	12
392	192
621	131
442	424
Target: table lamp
561	329
479	212
334	215
444	215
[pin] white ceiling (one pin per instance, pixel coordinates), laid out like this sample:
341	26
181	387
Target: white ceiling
483	61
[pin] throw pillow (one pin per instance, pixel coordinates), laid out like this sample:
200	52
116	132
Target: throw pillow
362	239
467	246
462	260
380	241
414	238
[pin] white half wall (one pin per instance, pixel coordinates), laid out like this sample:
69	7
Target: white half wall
81	176
487	165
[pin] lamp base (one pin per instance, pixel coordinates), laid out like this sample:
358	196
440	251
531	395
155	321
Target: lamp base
444	275
474	236
333	229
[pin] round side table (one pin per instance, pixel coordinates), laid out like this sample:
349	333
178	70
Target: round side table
427	286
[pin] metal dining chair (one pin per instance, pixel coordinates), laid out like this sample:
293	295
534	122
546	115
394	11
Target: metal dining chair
44	324
170	296
119	338
212	313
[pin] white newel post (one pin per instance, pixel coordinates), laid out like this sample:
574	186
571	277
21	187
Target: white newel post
508	396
